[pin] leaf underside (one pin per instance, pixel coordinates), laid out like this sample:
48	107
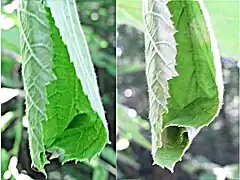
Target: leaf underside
194	96
36	50
61	116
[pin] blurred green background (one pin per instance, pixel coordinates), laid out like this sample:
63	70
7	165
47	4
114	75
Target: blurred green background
98	21
214	153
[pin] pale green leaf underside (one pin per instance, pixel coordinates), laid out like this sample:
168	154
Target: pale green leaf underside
61	116
194	97
36	49
160	55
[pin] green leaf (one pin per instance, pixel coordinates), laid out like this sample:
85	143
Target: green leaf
70	115
10	39
109	155
66	18
100	173
4	161
226	23
194	97
207	175
64	110
129	12
131	126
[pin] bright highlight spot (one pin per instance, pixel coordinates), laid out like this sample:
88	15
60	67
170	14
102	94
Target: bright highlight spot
128	92
132	113
119	52
7	175
94	16
7	94
9	8
6	22
122	144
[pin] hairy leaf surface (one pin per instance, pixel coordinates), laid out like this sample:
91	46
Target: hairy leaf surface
160	53
72	125
192	99
62	117
37	71
66	18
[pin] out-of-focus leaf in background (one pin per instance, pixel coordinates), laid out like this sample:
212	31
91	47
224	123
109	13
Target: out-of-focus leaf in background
129	12
129	123
4	161
210	169
225	19
95	17
101	59
130	131
100	173
109	155
224	16
11	39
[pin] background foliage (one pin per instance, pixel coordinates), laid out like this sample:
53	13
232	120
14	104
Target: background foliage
98	20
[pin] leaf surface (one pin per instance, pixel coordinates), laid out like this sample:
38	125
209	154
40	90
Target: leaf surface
66	18
36	50
160	57
72	125
63	115
191	100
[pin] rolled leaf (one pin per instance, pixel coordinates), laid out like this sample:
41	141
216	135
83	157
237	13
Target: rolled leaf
63	117
193	98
